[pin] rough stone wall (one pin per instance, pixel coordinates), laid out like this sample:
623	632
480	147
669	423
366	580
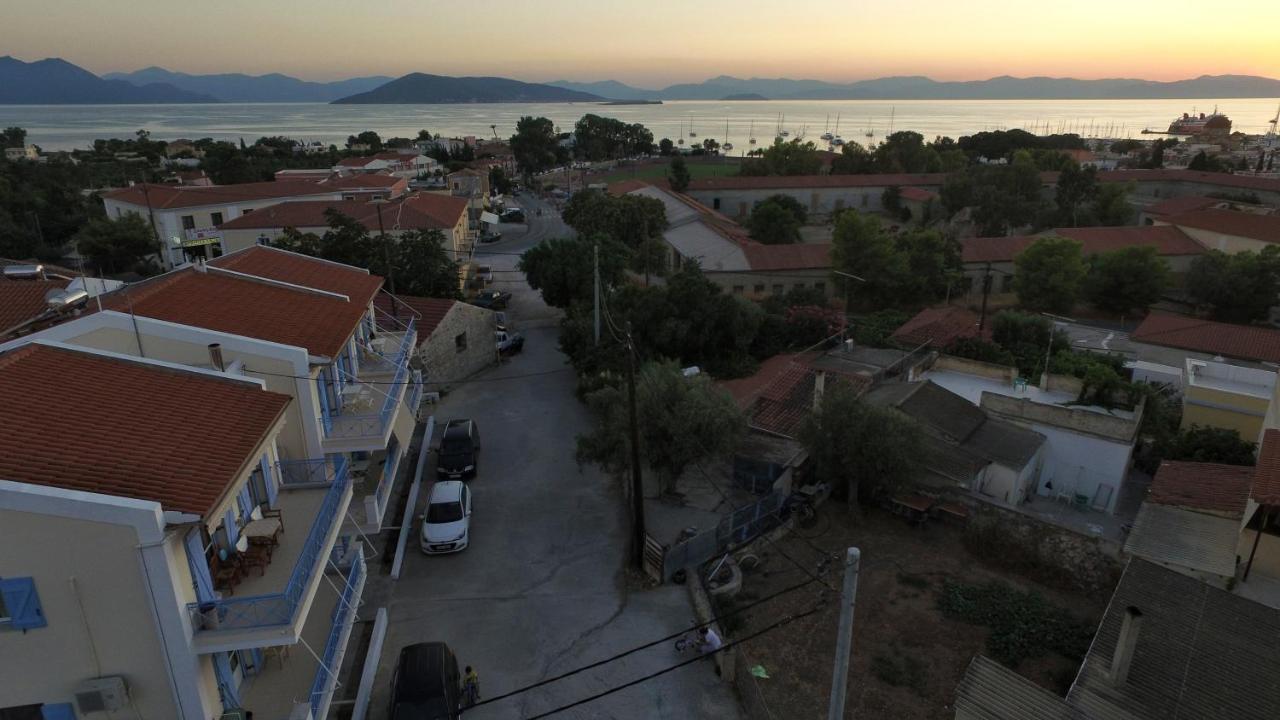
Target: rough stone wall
442	361
1025	411
1000	373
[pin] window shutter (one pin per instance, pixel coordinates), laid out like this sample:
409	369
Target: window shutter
199	565
245	501
233	530
23	603
268	481
226	681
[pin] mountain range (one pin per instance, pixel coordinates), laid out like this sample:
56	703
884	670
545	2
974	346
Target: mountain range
420	88
237	87
54	81
914	87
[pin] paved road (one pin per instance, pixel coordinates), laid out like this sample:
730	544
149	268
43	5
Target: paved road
541	590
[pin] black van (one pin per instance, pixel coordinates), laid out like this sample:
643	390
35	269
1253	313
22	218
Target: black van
426	684
459	450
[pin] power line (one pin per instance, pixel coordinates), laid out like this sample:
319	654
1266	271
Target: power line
785	620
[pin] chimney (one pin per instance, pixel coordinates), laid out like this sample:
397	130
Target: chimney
215	356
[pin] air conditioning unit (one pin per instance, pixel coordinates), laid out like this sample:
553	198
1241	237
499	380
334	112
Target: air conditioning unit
104	694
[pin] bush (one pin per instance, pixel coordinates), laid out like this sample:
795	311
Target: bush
900	671
980	350
874	329
1023	624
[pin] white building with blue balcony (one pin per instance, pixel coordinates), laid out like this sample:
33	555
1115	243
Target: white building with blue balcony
160	554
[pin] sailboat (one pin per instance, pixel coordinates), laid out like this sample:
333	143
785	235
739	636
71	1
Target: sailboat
783	124
826	135
751	134
681	140
727	146
692	134
836	139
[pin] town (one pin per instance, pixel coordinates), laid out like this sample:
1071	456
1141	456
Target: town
581	421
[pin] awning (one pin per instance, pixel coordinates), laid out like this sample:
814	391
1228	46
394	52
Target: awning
488	217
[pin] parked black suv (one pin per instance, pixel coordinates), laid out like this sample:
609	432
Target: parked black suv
426	684
459	450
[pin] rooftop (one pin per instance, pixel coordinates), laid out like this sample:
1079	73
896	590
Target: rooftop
429	311
1207	487
93	424
22	300
166	197
937	327
297	269
1181	204
1263	228
1243	342
1258	383
418	211
1166	239
1266	479
798	256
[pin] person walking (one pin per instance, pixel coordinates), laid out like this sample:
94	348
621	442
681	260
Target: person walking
470	687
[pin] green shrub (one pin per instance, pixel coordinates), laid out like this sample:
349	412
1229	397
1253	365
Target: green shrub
1023	624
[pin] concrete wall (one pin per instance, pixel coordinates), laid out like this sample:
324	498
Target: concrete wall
45	665
758	285
820	202
441	358
1011	485
1001	373
1210	407
1089	422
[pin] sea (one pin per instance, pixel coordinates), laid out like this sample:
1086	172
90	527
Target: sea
67	127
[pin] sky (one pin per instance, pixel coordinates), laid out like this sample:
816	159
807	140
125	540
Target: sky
654	43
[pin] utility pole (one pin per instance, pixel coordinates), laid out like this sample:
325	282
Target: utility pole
986	290
151	215
386	249
844	636
848	298
637	483
595	254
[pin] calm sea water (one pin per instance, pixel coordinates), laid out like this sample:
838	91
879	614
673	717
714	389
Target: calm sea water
64	127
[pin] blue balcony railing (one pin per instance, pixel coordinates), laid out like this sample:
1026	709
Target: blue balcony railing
414	398
369	425
376	362
330	660
388	479
240	613
308	473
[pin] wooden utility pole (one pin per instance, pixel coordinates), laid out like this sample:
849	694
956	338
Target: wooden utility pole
595	256
637	482
386	249
986	290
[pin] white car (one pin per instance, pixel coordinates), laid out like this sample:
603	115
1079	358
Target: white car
446	526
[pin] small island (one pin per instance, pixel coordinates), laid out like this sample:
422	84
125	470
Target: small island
744	96
632	102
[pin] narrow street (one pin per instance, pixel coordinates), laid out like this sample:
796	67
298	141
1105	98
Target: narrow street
541	589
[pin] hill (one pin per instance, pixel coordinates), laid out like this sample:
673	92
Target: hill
611	89
237	87
54	81
420	88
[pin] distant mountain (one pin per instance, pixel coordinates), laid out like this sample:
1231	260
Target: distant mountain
420	88
237	87
54	81
611	89
744	96
914	87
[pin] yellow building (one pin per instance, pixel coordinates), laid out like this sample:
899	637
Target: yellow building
1226	396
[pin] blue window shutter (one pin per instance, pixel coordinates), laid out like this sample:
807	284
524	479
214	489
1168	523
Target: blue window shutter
58	711
233	530
324	394
199	565
226	682
245	501
23	603
269	481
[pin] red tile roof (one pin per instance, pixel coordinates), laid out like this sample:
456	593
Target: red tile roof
254	308
783	403
1243	342
799	256
938	327
165	197
356	161
1266	480
1166	239
1184	203
917	194
1264	228
22	300
128	429
365	181
745	390
419	211
294	268
751	182
1210	487
430	312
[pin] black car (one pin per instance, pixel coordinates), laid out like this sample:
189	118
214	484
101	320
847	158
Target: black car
459	450
512	215
426	684
492	299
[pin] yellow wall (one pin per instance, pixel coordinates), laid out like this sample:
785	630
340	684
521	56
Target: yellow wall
1232	411
46	664
763	284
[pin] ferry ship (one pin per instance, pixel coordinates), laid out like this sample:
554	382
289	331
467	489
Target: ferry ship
1201	124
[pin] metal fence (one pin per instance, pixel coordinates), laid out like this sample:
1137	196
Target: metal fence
738	527
343	615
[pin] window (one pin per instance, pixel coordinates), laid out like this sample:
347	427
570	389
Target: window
737	289
460	341
20	605
820	287
188	222
777	289
246	211
799	286
1006	284
264	240
759	289
715	203
216	218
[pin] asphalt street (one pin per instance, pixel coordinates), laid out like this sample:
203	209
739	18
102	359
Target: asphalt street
542	588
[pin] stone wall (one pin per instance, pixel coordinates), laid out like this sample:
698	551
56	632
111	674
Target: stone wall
992	371
442	358
1026	412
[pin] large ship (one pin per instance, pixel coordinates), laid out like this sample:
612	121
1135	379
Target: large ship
1202	124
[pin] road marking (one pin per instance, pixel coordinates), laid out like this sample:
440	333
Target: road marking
1106	340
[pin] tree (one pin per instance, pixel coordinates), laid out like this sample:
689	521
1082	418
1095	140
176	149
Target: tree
861	247
932	266
424	136
853	160
772	224
601	138
1208	444
1111	204
682	420
867	449
628	219
13	137
784	158
1076	187
368	137
906	152
1131	278
114	246
499	181
1048	275
665	146
535	145
1238	288
891	200
678	174
563	270
423	266
1205	163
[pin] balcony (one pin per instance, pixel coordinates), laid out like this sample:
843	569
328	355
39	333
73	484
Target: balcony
295	678
269	604
356	428
391	349
372	486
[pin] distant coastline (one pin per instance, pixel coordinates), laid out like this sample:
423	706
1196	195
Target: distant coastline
632	102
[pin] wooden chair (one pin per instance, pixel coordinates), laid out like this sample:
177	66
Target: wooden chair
274	513
258	556
226	574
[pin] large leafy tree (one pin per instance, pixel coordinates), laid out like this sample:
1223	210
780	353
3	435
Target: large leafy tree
785	158
932	265
563	270
1207	444
602	138
682	420
1077	187
423	266
535	145
864	448
1111	204
1049	275
627	219
1237	288
678	174
772	223
861	247
114	246
1131	278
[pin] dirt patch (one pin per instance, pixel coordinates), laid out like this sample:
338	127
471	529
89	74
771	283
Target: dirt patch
908	656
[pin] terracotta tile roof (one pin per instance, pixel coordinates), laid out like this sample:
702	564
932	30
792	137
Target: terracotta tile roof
782	405
1249	182
297	269
356	161
1266	479
241	306
938	327
22	300
128	429
917	194
799	256
364	181
1184	203
165	197
1243	342
1264	228
622	187
748	182
1210	487
419	211
430	312
745	390
1166	239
